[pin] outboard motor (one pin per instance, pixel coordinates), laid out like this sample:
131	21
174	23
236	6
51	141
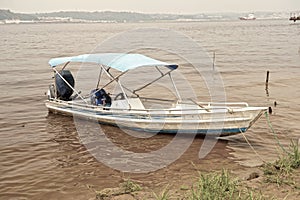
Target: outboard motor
63	91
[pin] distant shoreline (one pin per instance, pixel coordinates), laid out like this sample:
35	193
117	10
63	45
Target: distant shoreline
9	17
161	21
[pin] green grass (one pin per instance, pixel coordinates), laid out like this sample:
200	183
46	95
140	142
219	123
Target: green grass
220	185
129	186
214	186
294	155
164	195
209	186
280	171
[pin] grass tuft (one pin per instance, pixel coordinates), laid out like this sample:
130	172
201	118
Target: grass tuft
129	186
221	186
280	171
214	186
164	195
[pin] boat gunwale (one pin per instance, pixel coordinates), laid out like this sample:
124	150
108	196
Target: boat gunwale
151	119
168	111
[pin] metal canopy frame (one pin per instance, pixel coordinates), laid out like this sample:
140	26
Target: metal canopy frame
123	88
116	79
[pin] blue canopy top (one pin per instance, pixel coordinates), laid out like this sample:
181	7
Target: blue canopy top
118	61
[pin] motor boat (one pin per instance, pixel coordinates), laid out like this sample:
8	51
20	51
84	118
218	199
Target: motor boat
248	17
130	110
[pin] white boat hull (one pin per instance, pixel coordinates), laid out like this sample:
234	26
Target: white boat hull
211	120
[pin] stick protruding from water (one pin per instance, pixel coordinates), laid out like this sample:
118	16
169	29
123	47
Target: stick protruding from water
267	79
267	83
214	60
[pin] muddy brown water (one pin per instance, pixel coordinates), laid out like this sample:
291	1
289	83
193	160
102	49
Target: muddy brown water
41	154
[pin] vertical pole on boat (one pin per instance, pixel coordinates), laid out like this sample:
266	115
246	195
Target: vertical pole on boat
119	83
100	74
176	90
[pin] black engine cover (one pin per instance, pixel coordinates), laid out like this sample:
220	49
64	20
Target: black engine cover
63	91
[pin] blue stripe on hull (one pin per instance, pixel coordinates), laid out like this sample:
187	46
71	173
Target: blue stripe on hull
213	132
229	131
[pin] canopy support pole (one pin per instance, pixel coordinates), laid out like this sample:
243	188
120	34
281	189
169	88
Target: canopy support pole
77	93
176	90
163	75
112	78
118	81
65	65
99	78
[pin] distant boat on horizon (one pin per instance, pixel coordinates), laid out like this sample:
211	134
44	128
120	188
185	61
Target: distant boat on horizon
249	17
295	16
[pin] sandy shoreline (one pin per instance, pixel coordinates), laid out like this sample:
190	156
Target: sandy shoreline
250	180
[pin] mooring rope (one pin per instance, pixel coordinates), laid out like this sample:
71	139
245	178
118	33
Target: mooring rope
248	142
275	135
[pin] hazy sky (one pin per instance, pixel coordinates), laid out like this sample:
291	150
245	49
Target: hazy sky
151	6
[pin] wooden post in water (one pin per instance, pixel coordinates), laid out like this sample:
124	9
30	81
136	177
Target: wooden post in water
267	79
214	59
267	83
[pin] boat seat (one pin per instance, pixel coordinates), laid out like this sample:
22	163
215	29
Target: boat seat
135	103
